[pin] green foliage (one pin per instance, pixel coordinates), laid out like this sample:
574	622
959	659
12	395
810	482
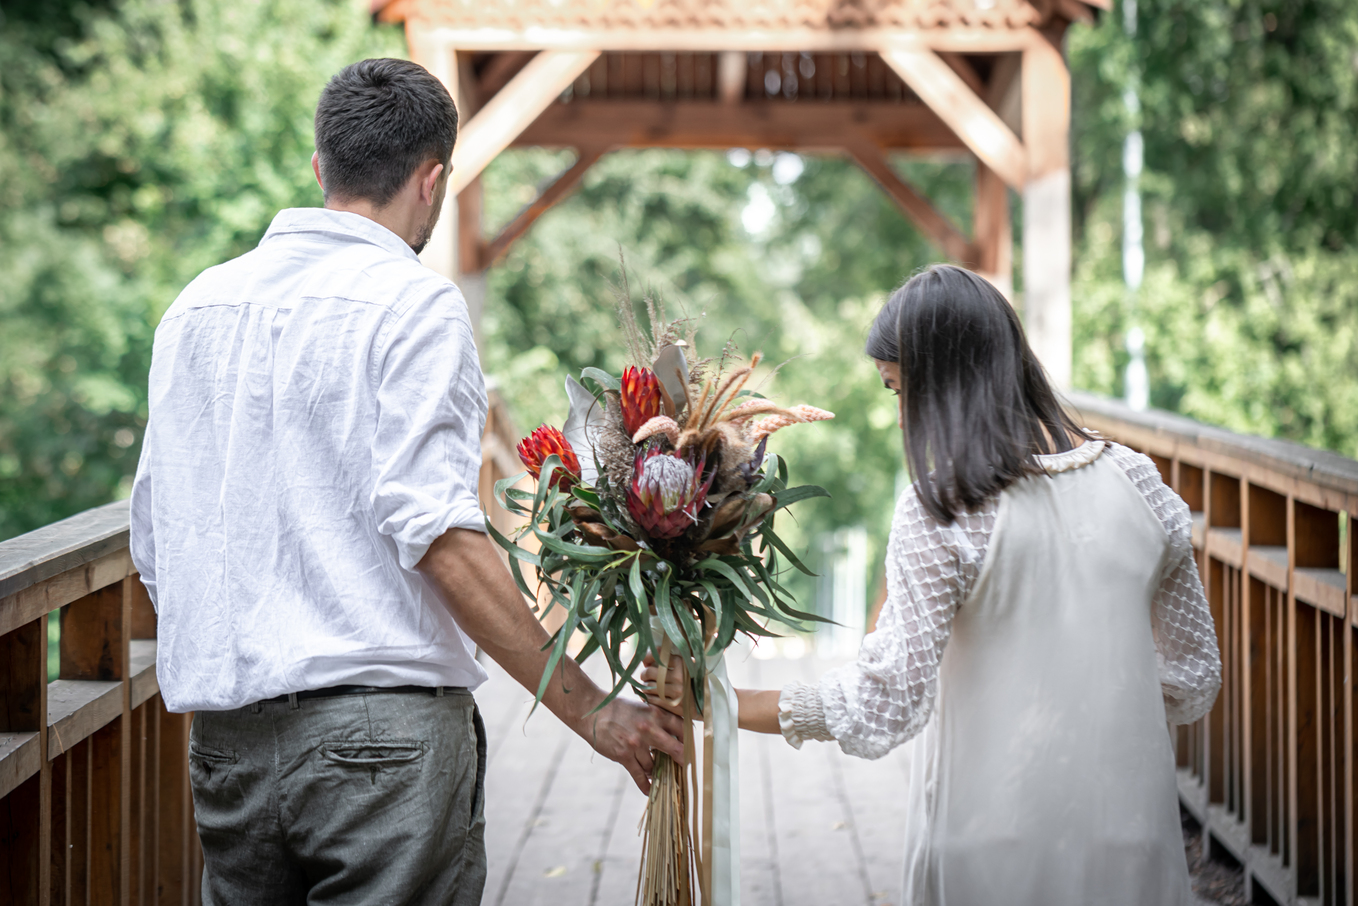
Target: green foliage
140	142
806	287
1250	303
611	593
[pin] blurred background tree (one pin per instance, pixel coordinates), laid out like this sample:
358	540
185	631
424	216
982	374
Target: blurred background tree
140	142
143	141
1249	109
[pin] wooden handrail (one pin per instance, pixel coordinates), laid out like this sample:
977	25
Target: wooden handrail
1269	772
1284	457
94	785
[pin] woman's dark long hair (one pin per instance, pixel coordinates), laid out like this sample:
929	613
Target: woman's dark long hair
976	401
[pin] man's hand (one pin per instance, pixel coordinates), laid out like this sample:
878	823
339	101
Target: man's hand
627	731
463	567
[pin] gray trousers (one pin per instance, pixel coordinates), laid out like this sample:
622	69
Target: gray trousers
355	799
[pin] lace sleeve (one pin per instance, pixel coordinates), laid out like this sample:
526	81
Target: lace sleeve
885	697
1185	636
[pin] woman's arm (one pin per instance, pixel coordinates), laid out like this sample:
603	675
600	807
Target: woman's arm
1181	620
759	710
1186	642
885	697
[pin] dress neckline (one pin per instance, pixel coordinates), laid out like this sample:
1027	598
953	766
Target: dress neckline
1081	456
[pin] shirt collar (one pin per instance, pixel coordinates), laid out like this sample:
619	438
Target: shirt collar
343	223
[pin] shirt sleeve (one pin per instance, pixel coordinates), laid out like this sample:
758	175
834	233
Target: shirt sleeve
431	414
142	537
1181	619
886	696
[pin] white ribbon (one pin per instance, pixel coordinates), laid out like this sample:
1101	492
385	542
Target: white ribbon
721	763
720	845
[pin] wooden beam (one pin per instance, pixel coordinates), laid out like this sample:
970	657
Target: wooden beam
965	71
803	126
935	227
500	69
1003	94
966	114
977	39
562	186
505	116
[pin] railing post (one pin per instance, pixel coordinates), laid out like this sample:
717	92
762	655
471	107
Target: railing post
94	647
1350	673
25	814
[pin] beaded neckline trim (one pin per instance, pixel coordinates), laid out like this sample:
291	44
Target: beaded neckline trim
1082	455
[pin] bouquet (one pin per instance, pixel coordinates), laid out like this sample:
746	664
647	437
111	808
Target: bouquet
652	527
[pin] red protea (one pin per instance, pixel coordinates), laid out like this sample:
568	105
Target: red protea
542	443
667	492
640	398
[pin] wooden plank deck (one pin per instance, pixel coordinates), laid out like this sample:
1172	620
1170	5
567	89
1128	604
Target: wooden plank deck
817	828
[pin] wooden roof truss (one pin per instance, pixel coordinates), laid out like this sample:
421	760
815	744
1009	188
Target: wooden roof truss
862	78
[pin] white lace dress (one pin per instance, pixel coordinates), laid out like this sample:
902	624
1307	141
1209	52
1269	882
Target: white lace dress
1031	653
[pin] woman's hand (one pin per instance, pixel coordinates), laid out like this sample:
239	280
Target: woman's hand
671	698
758	708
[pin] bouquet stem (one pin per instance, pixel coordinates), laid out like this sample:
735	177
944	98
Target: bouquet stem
667	864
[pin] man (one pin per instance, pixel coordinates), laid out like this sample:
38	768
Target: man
305	519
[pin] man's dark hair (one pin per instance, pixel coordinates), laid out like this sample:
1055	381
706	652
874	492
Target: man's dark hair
978	406
376	122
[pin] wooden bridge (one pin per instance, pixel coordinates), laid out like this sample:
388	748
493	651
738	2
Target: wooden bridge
95	806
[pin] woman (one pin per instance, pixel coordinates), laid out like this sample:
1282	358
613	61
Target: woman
1044	619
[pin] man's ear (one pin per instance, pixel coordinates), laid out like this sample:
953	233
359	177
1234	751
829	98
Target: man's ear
429	184
316	168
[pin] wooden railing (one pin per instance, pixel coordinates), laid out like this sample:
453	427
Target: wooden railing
1270	771
94	786
93	769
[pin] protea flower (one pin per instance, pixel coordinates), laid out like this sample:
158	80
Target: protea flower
667	492
640	398
542	443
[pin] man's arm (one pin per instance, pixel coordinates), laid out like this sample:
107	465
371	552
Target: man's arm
463	566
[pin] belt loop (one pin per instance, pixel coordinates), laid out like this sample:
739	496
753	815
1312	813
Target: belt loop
292	701
256	707
438	692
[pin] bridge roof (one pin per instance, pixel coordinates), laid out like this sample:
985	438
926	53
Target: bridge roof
624	16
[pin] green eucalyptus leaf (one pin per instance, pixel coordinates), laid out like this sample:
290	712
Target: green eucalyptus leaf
602	378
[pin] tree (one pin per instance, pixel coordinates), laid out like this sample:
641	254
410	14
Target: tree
140	142
1250	302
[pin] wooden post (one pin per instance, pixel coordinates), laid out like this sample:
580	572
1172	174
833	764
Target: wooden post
471	271
1046	206
1291	755
732	73
441	253
25	814
1350	714
992	232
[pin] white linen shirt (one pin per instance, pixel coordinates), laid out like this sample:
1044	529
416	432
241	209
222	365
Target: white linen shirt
316	411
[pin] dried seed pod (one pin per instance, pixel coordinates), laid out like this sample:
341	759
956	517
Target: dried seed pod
595	533
726	547
584	514
728	516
